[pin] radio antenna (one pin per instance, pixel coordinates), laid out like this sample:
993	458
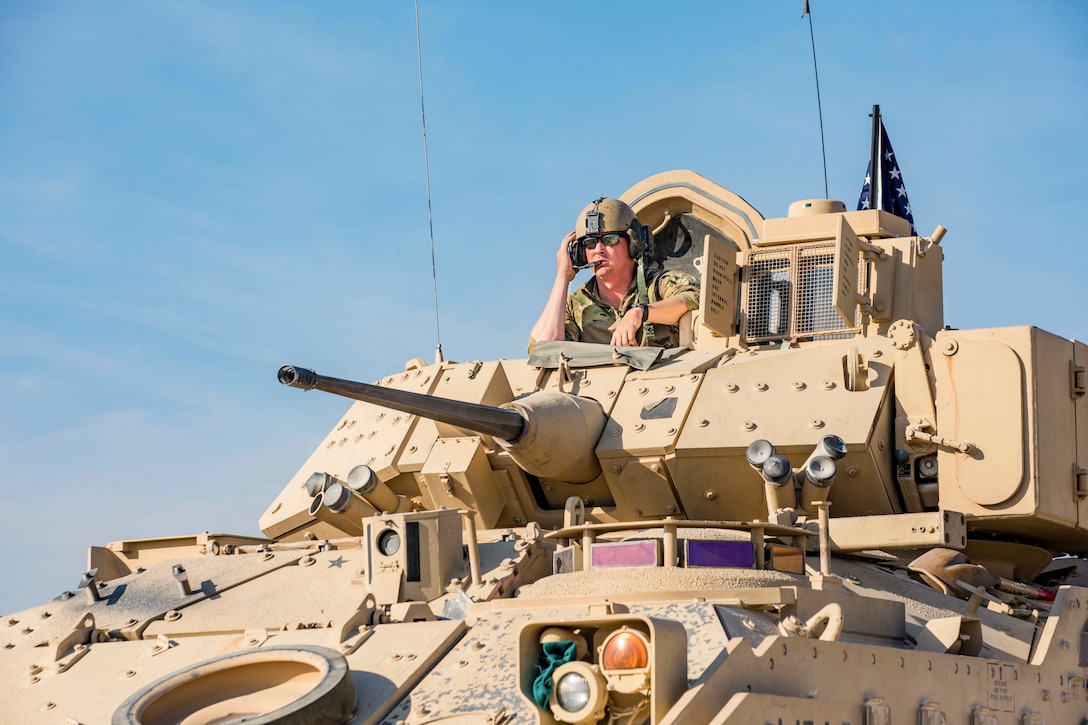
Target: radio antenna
805	11
430	218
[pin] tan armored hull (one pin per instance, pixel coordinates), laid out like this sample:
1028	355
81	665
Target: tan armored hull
827	509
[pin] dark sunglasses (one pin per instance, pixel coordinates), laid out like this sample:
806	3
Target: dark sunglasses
608	240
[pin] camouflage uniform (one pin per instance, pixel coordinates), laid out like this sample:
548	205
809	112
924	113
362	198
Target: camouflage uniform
591	320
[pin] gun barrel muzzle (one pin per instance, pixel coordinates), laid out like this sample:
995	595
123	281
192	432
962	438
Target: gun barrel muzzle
293	377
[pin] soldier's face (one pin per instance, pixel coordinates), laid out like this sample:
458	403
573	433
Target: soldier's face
615	261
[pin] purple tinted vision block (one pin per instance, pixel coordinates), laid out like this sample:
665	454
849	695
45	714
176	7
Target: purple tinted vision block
625	553
719	553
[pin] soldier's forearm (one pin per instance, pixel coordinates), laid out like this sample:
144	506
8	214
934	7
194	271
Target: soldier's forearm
551	325
667	311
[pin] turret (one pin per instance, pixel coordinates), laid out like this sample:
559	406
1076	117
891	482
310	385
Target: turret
825	325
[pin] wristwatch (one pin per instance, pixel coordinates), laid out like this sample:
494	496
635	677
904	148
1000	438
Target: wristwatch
645	309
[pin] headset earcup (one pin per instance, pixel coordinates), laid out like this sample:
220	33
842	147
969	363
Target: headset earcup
577	253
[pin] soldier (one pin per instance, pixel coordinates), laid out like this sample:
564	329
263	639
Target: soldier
622	304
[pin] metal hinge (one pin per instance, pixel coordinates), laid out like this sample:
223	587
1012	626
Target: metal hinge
877	712
1080	482
913	433
1078	384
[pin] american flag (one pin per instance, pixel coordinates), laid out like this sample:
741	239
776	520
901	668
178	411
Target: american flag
891	194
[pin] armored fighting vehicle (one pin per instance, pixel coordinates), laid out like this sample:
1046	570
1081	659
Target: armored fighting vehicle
825	507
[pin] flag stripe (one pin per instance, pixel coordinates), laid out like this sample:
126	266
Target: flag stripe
884	189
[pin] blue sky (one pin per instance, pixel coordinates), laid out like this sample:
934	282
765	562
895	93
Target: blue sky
192	194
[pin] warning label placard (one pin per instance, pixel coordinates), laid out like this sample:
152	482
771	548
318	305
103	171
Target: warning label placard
1002	687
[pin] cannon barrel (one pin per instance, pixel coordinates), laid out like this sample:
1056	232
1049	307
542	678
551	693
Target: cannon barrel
548	433
499	422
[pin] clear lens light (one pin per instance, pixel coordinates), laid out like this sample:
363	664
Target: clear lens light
572	692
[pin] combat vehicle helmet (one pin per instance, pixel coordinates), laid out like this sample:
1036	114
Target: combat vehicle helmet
612	216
